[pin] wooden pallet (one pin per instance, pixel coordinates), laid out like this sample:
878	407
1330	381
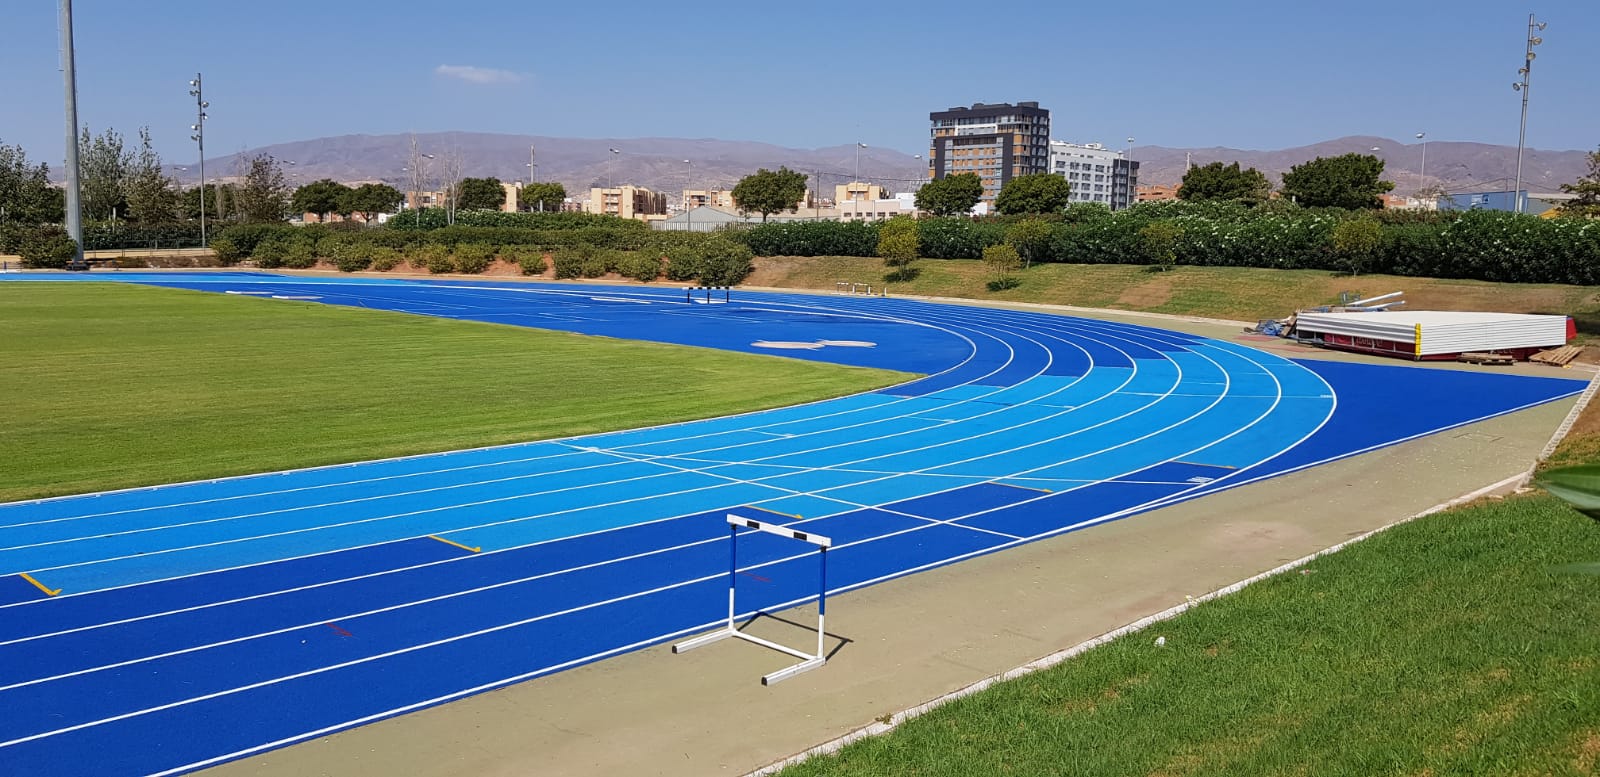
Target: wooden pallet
1477	357
1559	357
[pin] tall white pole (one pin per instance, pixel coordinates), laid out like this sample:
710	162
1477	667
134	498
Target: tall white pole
688	202
1422	175
1522	131
197	89
74	214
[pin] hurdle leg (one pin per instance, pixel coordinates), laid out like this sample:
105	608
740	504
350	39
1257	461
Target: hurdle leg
731	629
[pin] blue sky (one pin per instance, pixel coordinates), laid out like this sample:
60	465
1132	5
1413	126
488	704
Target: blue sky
1174	73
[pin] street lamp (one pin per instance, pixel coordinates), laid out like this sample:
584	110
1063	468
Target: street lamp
1527	67
196	89
417	179
688	202
1422	174
856	178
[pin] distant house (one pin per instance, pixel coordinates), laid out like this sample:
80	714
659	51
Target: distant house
1156	192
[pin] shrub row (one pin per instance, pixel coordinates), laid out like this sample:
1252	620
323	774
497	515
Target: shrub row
429	219
1481	245
712	259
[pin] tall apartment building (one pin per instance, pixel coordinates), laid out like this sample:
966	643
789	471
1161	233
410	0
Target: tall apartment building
998	142
1097	173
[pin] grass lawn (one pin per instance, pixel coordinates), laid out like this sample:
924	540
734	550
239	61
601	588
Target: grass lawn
113	385
1240	293
1446	646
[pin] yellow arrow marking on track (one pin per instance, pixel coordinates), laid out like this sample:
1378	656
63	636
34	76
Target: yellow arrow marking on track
41	586
453	542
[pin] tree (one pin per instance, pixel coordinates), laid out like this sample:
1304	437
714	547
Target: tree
450	183
767	192
481	194
370	199
264	195
26	196
1031	239
1038	193
103	166
1002	260
546	196
1217	181
1587	189
899	244
1351	181
1356	241
219	199
151	196
322	198
1159	241
952	195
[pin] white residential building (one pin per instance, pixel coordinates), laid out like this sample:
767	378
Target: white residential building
1097	173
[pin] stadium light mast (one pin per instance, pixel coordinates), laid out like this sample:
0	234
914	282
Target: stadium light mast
196	89
1534	26
74	214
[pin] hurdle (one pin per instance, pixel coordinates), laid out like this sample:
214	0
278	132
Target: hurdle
688	292
731	629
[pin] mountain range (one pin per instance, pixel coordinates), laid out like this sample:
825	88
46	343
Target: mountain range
671	164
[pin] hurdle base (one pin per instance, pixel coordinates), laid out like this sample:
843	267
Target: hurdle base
790	671
807	661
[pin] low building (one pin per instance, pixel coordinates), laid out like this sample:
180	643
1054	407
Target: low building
700	198
629	202
1156	192
876	209
856	190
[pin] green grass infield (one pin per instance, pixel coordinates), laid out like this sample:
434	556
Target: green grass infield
110	385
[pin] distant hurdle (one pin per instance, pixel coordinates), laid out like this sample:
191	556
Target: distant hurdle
807	660
688	292
848	287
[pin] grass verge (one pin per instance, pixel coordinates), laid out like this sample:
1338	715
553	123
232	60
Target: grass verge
1445	646
113	385
1239	293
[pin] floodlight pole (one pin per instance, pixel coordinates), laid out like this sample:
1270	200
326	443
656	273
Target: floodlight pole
1527	68
197	89
74	214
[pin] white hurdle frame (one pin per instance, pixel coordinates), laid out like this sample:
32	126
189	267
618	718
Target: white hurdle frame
807	660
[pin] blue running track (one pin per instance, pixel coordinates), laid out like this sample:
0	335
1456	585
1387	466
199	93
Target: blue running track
202	622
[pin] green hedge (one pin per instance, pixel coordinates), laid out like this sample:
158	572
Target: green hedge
1481	245
429	219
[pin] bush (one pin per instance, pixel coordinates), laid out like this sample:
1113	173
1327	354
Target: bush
1357	241
727	262
300	255
428	255
570	262
642	266
897	244
1159	239
384	259
958	238
1030	238
529	258
684	262
812	238
46	248
601	261
228	253
352	262
472	258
